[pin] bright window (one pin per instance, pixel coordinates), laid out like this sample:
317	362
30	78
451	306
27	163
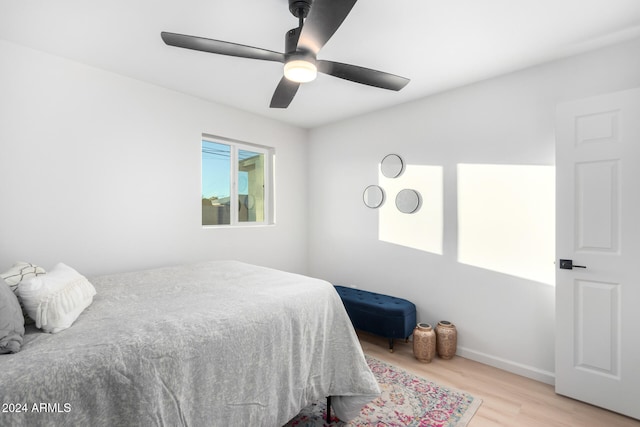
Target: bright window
238	175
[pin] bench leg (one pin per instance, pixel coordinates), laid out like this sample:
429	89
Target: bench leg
328	409
391	345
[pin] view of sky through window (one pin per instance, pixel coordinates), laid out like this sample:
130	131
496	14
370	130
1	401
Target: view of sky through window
216	170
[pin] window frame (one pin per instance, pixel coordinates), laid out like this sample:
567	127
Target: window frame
268	186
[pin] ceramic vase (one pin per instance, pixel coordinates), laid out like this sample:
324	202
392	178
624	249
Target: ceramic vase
446	339
424	342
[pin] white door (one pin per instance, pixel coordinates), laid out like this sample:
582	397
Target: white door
598	226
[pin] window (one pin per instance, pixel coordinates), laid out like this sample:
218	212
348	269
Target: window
236	174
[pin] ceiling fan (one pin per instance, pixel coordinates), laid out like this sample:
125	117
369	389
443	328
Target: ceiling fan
317	22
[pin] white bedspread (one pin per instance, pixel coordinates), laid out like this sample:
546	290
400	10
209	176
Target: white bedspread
211	344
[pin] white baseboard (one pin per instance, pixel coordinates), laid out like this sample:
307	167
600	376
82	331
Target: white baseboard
508	365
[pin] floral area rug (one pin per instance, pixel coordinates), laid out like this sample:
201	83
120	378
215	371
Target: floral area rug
406	400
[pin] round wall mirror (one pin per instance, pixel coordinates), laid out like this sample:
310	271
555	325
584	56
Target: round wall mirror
392	166
408	201
373	196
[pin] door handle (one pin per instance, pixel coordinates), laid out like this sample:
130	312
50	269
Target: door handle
567	264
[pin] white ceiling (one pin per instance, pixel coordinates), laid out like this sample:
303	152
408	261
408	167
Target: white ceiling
438	44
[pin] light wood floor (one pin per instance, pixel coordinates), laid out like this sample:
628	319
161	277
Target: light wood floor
507	399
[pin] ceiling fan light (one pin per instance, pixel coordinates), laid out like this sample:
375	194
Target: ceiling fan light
300	71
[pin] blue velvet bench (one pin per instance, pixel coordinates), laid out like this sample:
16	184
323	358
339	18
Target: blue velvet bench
379	314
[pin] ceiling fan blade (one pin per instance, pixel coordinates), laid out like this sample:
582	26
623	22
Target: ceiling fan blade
325	17
284	93
220	47
365	76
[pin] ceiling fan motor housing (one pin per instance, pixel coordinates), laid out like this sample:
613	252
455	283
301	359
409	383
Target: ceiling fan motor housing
292	52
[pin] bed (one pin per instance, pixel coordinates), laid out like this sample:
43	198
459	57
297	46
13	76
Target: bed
219	343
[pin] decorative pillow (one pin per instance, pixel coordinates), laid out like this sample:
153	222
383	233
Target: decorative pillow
11	321
20	271
56	299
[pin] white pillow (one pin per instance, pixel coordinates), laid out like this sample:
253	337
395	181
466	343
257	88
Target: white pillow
20	271
56	299
15	275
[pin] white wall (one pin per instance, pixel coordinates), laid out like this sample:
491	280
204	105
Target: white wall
502	319
102	172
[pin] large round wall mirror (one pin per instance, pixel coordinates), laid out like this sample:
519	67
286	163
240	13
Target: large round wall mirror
392	166
408	201
373	196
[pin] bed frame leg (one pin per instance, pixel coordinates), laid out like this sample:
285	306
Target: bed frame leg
391	345
328	410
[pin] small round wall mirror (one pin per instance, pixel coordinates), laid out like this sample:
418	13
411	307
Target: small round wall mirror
392	166
373	196
408	201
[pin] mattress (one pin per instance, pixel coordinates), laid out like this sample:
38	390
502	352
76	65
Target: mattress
219	343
